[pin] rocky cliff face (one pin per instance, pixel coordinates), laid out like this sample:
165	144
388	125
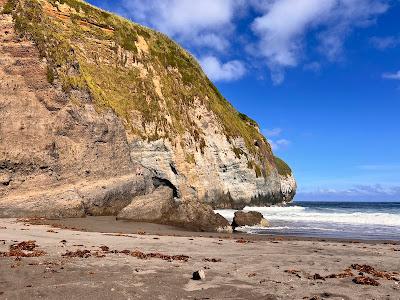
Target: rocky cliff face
95	110
57	158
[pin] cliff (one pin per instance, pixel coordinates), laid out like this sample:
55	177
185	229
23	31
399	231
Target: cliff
96	110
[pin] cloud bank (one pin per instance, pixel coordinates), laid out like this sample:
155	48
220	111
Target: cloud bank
285	23
275	31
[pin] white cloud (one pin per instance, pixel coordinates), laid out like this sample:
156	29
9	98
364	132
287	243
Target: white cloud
272	132
279	144
394	76
382	43
211	40
231	70
274	140
285	23
205	23
208	27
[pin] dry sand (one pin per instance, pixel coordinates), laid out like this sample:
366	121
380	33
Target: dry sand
247	270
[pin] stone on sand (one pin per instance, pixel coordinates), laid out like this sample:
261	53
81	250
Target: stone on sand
199	275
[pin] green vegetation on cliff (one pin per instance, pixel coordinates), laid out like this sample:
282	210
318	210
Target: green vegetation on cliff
148	80
283	168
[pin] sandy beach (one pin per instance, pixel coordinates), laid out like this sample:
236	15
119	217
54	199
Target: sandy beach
154	264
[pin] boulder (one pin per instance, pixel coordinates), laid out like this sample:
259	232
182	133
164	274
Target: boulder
109	197
198	216
152	208
251	218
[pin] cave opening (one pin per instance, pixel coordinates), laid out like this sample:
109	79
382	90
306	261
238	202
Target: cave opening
157	181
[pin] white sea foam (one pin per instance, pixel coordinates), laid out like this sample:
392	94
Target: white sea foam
276	209
340	216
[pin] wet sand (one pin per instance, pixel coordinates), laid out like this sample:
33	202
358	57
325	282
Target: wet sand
110	224
236	266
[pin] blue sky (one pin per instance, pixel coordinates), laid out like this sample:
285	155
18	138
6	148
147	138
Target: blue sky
322	78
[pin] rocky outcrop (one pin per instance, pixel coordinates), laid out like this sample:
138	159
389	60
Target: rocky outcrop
251	218
150	208
288	187
217	176
160	207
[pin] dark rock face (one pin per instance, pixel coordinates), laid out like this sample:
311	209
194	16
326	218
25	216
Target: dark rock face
251	218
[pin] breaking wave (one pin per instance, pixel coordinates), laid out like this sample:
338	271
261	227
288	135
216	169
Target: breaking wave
352	220
298	213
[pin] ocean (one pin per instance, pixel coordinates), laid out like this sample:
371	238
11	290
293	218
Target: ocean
347	220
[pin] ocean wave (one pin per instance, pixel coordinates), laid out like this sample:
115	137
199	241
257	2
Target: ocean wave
226	213
302	214
251	229
358	218
276	209
230	213
257	228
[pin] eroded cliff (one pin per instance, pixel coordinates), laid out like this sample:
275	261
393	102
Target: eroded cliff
95	110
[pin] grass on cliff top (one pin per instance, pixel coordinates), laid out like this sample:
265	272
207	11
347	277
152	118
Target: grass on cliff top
283	168
92	50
